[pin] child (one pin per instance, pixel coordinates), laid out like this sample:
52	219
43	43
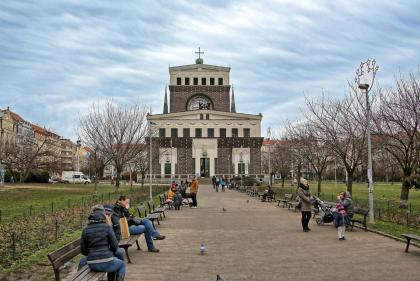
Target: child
340	217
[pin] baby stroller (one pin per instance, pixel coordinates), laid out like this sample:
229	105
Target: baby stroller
325	212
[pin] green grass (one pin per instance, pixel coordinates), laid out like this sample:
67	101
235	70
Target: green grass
384	193
20	199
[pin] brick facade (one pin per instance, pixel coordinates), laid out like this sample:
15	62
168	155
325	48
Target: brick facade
180	95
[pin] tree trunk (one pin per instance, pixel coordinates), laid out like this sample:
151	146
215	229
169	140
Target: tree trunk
282	181
319	183
350	182
117	179
405	189
142	180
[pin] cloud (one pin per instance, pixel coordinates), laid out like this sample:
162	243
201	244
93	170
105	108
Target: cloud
57	57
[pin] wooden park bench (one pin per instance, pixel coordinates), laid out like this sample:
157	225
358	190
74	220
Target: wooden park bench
293	204
268	198
127	240
410	237
285	200
156	210
360	211
61	256
153	217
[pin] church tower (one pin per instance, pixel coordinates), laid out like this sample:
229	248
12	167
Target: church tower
201	133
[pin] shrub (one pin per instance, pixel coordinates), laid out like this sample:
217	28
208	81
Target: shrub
249	181
38	177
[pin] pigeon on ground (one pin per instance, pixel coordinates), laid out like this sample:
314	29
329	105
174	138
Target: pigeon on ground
224	210
202	249
218	278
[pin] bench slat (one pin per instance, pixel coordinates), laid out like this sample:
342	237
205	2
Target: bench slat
411	236
61	256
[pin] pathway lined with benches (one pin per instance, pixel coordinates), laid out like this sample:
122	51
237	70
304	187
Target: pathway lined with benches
260	241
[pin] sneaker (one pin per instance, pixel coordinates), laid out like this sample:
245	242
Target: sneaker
309	229
154	250
342	238
305	230
160	237
194	207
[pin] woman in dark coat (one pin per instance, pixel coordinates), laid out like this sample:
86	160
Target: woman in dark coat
100	246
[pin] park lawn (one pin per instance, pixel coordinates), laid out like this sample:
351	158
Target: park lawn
19	199
384	193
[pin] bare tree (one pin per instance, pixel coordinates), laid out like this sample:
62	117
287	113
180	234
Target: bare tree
398	126
341	127
117	131
37	155
312	147
282	159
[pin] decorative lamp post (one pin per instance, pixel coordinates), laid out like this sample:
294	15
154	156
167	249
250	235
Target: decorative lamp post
365	77
150	157
1	149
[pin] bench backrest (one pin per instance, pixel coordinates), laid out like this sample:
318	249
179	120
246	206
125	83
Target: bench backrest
140	210
151	205
288	196
361	211
59	257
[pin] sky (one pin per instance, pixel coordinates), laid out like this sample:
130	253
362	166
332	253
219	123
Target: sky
60	57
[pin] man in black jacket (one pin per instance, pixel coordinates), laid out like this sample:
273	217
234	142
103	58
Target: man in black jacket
135	225
100	246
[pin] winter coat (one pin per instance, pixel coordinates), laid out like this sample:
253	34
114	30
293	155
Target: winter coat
305	198
194	186
121	212
348	204
98	241
340	219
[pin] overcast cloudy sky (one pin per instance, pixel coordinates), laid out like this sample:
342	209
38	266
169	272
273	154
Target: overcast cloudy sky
58	57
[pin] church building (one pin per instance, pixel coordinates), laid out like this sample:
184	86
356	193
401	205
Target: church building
200	131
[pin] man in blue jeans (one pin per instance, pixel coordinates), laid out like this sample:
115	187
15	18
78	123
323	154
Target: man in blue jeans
135	225
100	246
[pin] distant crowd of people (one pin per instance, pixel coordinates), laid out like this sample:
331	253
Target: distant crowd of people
221	183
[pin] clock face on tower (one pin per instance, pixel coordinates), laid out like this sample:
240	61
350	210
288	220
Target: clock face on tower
199	102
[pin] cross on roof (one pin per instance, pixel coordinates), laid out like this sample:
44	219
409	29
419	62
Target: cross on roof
199	52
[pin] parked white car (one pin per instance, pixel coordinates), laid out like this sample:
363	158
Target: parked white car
74	177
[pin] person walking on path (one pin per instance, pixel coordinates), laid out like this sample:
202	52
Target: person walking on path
213	181
305	204
100	246
193	192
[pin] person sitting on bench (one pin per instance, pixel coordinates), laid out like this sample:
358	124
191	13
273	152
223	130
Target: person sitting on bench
267	193
100	246
135	225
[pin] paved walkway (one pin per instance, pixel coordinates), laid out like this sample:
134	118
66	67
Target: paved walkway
260	241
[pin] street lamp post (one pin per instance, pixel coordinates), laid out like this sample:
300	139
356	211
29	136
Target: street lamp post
150	159
78	144
1	149
270	181
367	71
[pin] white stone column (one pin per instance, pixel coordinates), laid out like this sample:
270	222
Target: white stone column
212	165
197	166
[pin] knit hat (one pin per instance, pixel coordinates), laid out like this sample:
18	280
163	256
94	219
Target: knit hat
108	209
97	208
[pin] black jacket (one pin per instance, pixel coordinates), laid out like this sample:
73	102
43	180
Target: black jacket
120	212
98	240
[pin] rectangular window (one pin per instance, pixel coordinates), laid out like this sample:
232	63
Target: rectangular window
198	133
187	80
207	116
178	80
195	81
186	132
210	133
223	132
162	132
201	117
203	81
247	132
174	132
234	132
220	81
212	81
